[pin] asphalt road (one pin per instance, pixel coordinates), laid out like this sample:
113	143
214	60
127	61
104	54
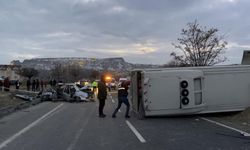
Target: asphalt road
76	126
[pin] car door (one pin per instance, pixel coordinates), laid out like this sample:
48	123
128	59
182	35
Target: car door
66	93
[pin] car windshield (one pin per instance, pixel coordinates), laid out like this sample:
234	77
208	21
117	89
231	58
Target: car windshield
75	87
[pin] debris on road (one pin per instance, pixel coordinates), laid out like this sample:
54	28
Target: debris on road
24	97
11	102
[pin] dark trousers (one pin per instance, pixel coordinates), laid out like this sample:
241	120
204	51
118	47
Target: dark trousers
101	106
120	101
33	88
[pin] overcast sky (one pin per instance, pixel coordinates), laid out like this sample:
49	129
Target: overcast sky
141	31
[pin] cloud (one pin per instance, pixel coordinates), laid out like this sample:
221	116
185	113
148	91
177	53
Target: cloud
18	56
141	31
57	34
237	45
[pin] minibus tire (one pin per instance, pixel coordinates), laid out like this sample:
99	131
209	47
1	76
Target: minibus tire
184	92
184	84
185	101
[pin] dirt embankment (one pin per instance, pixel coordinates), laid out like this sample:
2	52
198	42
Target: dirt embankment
9	103
7	100
239	120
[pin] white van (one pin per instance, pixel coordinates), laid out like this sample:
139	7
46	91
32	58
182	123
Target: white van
190	90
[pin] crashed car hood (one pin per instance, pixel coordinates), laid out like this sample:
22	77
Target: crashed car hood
81	94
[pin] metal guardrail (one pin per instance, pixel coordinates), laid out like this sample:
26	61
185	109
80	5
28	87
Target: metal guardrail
17	90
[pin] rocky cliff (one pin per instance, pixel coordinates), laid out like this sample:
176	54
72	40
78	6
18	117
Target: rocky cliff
111	64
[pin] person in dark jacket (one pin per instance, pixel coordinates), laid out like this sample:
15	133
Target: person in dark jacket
122	98
28	83
33	85
1	85
17	83
45	84
6	84
37	85
102	95
42	83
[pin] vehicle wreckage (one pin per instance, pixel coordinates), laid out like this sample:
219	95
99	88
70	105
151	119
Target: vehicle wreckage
68	92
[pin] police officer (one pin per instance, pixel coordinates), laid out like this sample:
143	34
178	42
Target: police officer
122	98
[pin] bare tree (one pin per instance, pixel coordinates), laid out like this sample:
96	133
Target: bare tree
57	72
175	62
66	73
200	46
27	72
94	74
74	71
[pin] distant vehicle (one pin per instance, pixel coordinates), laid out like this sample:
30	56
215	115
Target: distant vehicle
12	82
112	83
1	82
190	90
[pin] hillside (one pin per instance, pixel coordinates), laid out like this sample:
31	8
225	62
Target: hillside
111	64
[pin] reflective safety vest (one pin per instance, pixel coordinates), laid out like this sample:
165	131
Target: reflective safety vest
94	84
122	92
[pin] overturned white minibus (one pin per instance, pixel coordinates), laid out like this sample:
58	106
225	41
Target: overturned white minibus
190	90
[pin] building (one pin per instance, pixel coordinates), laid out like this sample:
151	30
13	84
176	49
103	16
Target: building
246	57
10	71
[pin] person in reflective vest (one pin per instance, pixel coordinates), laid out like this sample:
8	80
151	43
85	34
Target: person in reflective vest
94	85
122	98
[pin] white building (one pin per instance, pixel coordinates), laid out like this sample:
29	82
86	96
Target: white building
9	71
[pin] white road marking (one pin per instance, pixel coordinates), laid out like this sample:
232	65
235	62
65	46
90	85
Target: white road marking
12	138
79	133
138	135
113	101
225	126
113	92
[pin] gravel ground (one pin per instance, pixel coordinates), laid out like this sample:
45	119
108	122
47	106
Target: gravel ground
239	120
7	100
10	103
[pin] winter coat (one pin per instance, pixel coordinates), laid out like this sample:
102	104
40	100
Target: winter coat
122	92
102	91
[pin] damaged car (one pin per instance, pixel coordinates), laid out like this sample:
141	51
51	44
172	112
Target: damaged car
67	92
70	92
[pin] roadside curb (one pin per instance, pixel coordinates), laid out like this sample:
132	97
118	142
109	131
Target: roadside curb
11	109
